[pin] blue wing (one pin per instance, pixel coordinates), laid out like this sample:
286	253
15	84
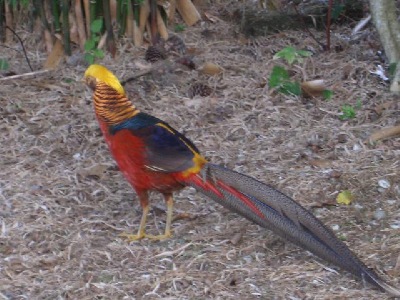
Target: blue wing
166	149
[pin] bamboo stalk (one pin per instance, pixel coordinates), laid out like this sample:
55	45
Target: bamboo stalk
137	35
110	42
93	11
55	57
2	21
48	40
113	11
162	29
171	11
188	11
9	21
144	15
80	24
153	20
148	26
73	28
129	22
86	8
47	8
65	25
122	15
55	11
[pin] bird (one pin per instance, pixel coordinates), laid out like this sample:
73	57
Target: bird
153	156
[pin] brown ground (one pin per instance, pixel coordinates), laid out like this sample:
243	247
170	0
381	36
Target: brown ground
63	201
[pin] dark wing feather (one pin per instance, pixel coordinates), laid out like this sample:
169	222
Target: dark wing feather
166	150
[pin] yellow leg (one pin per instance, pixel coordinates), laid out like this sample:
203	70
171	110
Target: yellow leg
167	234
142	228
170	205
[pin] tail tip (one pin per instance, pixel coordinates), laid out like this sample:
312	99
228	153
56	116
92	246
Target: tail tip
391	290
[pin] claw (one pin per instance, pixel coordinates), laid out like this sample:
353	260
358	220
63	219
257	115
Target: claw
132	237
141	232
136	237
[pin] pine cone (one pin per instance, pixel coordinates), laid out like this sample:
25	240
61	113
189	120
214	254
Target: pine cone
175	44
199	89
154	54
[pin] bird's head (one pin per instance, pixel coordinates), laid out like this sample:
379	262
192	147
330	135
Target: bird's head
96	74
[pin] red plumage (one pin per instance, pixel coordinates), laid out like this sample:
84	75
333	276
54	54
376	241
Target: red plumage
129	153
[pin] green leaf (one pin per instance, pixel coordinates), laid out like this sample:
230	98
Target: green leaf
348	112
288	54
90	45
304	53
337	10
98	53
291	88
89	58
344	197
327	94
4	64
291	55
179	27
278	76
96	26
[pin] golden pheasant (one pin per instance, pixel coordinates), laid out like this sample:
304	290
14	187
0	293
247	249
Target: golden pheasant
153	156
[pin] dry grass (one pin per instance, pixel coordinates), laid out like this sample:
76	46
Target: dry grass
63	201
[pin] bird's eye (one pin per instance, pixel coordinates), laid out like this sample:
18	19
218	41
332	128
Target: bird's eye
91	82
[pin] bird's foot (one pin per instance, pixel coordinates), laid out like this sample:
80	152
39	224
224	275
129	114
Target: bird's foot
132	237
137	237
159	237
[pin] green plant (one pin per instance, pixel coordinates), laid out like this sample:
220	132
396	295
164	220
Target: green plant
4	64
348	112
291	55
280	80
91	50
14	3
179	28
338	9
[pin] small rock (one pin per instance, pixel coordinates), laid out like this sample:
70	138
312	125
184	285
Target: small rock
383	183
395	226
335	227
379	214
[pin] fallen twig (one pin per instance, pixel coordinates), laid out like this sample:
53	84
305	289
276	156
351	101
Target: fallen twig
173	252
22	45
137	75
23	75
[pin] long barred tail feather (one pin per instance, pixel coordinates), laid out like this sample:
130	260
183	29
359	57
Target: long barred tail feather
272	209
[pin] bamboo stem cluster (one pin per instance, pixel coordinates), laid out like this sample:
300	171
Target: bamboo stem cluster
70	20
